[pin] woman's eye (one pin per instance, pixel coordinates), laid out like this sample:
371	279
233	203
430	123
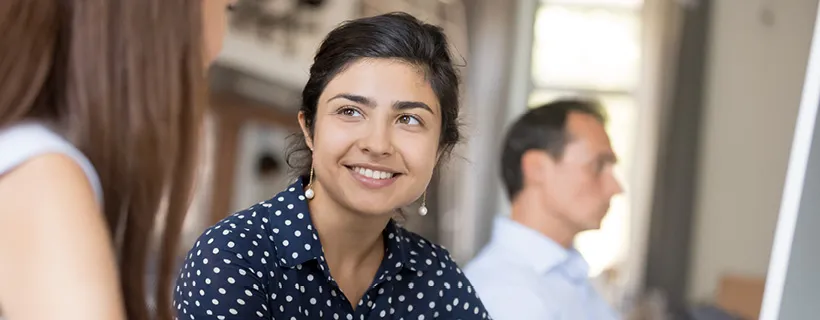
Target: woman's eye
349	112
409	120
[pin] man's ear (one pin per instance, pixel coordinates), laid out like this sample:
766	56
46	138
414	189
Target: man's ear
305	130
535	166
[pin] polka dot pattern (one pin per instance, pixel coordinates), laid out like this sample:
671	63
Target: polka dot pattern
266	262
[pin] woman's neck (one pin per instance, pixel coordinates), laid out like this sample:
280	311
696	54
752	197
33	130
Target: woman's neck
349	239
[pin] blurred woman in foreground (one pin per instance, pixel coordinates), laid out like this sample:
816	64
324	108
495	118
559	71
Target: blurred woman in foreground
100	110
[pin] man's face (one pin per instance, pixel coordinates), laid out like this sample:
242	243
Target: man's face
579	186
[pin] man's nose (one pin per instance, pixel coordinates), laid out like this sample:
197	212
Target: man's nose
616	186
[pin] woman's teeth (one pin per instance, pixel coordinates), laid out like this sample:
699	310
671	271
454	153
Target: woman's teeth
373	174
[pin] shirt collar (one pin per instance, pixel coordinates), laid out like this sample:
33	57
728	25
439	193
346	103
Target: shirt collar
399	248
296	241
537	250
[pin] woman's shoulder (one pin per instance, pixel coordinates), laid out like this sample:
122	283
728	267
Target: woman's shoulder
259	214
438	272
26	141
245	231
244	228
425	254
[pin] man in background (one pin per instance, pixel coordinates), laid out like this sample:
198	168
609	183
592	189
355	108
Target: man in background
557	167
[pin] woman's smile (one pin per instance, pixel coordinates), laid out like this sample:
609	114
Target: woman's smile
371	177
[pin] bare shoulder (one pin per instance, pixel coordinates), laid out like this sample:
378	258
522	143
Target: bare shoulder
54	244
52	186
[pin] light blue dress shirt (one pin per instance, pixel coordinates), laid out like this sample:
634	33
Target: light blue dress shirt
522	275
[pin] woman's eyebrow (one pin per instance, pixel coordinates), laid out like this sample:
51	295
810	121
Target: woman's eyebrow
398	105
355	98
407	105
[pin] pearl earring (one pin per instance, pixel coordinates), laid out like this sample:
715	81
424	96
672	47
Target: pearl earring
309	192
423	207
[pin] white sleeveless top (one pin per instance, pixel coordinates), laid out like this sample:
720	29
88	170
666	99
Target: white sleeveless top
22	142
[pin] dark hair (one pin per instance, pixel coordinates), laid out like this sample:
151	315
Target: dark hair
397	36
125	80
541	128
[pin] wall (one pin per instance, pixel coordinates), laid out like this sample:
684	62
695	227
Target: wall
756	62
249	187
245	52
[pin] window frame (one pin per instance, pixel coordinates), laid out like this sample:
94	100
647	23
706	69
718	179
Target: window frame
630	92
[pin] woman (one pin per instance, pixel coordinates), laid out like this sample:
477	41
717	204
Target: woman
97	98
379	112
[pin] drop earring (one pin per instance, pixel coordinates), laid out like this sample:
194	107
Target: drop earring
423	207
309	192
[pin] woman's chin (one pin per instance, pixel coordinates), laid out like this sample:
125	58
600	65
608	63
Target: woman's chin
375	208
375	211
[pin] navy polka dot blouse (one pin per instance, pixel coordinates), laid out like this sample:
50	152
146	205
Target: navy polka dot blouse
266	262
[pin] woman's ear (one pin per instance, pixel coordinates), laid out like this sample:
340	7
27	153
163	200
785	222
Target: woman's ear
305	130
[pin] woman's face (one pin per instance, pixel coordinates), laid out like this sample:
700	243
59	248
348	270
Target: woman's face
214	22
376	134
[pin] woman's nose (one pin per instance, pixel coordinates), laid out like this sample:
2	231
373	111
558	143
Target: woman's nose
376	140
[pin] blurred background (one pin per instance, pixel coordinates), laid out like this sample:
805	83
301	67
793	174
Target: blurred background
702	98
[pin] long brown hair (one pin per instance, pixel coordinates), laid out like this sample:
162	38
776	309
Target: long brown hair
125	81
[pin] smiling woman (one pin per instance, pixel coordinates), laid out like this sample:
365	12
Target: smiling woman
379	113
389	117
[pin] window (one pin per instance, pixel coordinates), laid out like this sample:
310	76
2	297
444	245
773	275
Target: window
592	48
